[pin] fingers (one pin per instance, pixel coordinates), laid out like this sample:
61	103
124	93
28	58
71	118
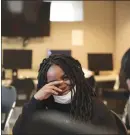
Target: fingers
55	89
54	92
54	83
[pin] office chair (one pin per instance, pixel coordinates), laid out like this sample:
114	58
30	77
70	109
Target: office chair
105	84
53	122
122	128
8	104
116	100
24	89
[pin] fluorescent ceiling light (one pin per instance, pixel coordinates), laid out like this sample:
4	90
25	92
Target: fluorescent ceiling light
67	11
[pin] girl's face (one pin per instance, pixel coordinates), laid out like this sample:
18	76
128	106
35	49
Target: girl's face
55	73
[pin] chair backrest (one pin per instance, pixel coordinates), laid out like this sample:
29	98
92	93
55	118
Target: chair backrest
116	100
121	126
105	84
24	89
8	102
53	122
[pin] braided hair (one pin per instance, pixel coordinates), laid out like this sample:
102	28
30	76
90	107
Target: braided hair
81	105
125	64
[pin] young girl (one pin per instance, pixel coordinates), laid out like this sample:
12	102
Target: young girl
62	87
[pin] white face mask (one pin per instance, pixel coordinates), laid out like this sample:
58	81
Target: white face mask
65	99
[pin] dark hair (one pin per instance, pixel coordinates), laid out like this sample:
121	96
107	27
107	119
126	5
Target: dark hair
125	64
81	105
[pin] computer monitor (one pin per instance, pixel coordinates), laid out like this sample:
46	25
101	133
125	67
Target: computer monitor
100	62
66	52
17	59
25	18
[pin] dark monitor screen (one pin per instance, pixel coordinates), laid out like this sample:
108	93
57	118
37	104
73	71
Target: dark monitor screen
52	52
17	59
100	62
32	21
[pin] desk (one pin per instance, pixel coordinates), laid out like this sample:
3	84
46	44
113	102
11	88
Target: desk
104	78
108	81
7	82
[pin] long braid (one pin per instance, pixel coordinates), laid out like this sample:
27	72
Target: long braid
81	105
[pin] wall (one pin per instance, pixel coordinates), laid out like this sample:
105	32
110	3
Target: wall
98	29
99	26
122	30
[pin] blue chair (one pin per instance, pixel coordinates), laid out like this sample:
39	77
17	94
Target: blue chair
8	95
